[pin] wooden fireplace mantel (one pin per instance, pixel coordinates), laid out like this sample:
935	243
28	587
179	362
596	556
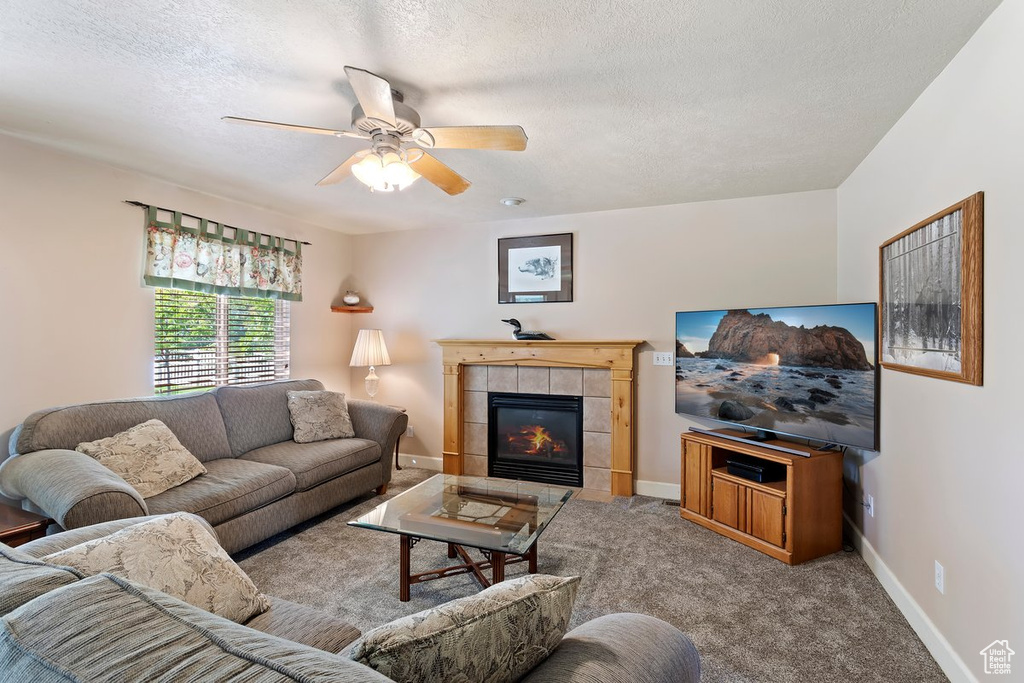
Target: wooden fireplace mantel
618	356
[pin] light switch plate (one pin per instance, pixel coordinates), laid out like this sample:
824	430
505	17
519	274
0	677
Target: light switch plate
661	358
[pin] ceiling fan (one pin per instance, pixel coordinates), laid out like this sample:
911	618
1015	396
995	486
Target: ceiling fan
397	155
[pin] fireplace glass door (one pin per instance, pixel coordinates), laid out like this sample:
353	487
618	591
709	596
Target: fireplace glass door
536	437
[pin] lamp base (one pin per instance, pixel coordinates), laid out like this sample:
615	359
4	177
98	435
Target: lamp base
372	383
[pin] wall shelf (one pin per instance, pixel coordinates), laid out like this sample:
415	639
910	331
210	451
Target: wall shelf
352	309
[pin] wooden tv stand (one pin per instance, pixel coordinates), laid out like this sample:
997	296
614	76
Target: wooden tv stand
793	520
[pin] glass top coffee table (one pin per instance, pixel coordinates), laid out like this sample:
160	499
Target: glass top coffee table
498	517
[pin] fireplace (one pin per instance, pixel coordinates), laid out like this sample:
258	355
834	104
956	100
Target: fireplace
537	437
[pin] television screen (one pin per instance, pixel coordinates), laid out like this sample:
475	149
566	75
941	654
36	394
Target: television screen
804	371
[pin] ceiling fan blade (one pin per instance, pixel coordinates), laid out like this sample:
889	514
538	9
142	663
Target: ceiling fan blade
510	138
289	126
439	174
344	171
373	93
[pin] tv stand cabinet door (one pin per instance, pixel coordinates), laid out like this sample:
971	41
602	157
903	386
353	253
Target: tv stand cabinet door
696	472
767	520
728	503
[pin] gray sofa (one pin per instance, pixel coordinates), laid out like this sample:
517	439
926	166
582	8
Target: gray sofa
55	626
259	481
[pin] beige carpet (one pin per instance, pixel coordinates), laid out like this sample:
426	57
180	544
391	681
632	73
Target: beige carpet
751	617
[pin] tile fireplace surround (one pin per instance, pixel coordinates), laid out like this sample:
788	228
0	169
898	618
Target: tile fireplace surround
600	371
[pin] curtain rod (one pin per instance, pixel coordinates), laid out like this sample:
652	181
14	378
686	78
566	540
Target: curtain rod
198	218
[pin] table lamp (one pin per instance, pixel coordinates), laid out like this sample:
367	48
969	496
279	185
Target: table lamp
370	350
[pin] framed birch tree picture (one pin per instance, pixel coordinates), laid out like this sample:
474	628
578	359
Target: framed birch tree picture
931	295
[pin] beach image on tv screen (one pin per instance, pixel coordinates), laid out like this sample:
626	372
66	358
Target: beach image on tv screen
805	371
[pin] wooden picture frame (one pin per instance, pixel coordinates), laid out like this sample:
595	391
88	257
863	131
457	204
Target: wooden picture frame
536	269
930	294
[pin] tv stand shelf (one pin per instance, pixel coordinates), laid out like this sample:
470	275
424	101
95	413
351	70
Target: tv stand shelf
771	487
793	520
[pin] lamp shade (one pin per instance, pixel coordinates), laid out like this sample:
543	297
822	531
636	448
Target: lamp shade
370	349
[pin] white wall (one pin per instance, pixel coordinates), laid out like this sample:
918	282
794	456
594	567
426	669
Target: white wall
633	269
947	482
76	323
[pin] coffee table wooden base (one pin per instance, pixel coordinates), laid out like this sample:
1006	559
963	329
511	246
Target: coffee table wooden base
493	560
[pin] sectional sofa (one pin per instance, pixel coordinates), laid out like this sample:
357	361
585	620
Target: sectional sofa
56	626
259	481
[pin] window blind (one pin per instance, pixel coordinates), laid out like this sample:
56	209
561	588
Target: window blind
207	340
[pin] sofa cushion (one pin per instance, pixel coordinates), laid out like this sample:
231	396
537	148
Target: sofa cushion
174	554
195	420
147	456
497	635
229	488
258	416
48	545
106	629
292	621
318	416
22	578
315	463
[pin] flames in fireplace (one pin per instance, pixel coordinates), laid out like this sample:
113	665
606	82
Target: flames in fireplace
535	440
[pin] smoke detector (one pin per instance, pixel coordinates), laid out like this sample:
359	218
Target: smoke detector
511	201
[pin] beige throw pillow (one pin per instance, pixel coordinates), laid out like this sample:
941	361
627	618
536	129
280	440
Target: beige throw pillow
148	456
319	415
174	554
495	636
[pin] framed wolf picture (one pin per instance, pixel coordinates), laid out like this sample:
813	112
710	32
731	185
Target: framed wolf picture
535	269
931	295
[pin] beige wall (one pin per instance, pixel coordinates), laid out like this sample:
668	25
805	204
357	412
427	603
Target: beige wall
76	323
634	268
947	483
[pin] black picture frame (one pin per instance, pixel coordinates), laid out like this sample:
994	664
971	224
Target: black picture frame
541	260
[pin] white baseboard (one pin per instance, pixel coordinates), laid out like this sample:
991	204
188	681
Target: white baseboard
425	461
658	489
951	664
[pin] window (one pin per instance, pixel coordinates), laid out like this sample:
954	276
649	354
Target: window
207	340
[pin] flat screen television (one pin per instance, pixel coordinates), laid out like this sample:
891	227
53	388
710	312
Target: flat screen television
802	371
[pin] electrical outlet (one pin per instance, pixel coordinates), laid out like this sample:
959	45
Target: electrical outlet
410	432
870	505
940	578
661	358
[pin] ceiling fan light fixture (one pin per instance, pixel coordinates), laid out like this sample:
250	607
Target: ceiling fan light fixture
384	173
397	172
369	171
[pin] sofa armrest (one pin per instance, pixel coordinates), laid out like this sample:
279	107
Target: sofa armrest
52	544
380	423
625	648
70	487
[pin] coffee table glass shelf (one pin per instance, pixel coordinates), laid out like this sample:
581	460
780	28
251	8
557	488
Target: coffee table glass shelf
499	517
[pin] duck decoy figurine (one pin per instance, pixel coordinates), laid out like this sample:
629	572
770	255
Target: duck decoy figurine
518	333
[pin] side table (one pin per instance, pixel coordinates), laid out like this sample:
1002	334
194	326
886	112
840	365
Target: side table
19	526
398	440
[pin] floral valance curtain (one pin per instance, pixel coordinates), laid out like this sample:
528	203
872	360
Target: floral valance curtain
200	255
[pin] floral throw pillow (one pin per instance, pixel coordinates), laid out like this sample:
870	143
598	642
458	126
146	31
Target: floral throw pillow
148	456
495	636
319	415
174	554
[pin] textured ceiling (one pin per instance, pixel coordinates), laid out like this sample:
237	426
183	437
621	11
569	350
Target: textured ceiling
626	104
